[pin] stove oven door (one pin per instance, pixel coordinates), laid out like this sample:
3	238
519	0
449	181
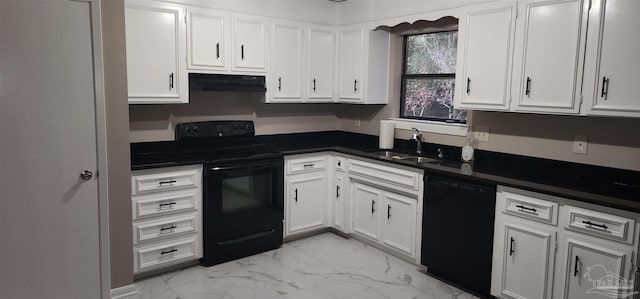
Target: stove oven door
242	196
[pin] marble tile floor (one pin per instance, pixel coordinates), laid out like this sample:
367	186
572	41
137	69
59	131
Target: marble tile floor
321	266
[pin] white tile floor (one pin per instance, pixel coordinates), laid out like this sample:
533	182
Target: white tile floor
322	266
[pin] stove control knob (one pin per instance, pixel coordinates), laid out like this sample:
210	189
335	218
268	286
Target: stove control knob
195	129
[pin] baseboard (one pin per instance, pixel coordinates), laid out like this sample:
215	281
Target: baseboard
124	292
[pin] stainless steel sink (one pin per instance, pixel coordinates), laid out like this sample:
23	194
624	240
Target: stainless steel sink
404	157
419	159
392	155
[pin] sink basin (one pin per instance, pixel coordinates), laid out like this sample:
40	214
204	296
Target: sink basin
404	157
419	159
392	155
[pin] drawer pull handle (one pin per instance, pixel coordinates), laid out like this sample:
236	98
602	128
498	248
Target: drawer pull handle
168	251
591	225
309	165
526	209
168	228
511	243
162	183
170	204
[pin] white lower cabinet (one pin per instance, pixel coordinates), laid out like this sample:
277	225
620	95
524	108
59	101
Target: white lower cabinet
529	253
366	202
167	216
399	216
583	254
591	266
306	189
306	200
340	207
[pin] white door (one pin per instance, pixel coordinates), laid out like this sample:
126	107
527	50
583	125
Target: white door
49	218
546	71
588	265
306	202
399	222
350	68
154	54
287	63
206	40
528	258
485	50
366	202
321	64
617	68
249	46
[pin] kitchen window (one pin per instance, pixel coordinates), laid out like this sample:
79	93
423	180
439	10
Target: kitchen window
428	78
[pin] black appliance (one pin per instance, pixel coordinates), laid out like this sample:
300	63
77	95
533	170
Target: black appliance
215	82
457	232
243	200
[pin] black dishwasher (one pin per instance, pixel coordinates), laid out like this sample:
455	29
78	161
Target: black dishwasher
457	232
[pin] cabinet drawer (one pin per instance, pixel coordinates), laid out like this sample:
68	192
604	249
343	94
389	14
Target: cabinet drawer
146	231
156	180
600	224
396	176
164	254
531	208
306	164
165	203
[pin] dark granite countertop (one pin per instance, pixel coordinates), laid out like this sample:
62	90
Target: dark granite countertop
606	186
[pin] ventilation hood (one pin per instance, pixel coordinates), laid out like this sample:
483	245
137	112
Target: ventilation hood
215	82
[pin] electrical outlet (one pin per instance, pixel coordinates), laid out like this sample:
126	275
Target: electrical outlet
357	122
580	144
481	134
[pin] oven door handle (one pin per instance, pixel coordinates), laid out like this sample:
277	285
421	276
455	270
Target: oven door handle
258	166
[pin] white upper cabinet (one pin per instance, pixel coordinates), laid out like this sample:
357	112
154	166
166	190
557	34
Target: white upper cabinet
321	53
485	44
286	53
363	71
207	38
548	52
155	53
351	63
249	43
612	69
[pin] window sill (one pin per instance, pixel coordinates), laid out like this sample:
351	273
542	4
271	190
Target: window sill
437	127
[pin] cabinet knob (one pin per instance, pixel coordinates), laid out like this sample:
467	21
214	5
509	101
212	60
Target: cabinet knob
86	175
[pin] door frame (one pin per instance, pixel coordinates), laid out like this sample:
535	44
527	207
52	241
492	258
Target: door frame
101	147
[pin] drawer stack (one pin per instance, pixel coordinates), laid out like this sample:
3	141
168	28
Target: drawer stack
167	216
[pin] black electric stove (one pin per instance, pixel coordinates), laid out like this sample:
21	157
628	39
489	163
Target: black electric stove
243	200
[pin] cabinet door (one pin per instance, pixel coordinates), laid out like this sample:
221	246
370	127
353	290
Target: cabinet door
321	64
206	40
615	70
306	202
366	202
350	72
547	72
249	47
153	36
591	268
339	207
485	50
399	222
287	62
527	269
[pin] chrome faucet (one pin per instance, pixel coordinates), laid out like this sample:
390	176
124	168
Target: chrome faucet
417	136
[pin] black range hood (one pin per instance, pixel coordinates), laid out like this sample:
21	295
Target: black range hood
215	82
